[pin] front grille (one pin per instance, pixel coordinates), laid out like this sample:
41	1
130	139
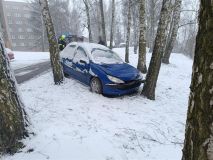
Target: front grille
127	85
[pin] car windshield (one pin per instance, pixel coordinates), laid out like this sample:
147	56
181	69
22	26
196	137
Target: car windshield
102	56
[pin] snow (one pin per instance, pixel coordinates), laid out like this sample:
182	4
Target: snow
70	122
24	59
94	51
90	46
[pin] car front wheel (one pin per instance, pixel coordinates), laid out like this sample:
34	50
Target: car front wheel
96	86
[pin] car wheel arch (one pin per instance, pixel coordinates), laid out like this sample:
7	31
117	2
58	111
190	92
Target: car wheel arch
101	83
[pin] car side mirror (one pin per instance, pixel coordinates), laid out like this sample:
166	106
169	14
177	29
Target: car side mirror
83	62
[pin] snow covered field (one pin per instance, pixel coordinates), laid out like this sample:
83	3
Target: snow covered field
23	59
71	123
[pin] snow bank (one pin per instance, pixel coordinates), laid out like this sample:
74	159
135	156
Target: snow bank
70	122
23	59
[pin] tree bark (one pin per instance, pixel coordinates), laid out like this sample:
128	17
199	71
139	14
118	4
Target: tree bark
135	26
53	44
103	22
112	24
142	40
4	26
152	24
128	32
174	31
155	63
88	20
43	35
198	143
12	115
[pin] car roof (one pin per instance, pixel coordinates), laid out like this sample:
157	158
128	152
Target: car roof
89	46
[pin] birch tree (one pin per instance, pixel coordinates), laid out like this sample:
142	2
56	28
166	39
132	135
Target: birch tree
4	26
151	21
12	115
174	30
37	25
53	44
112	25
128	32
88	20
142	40
198	143
103	22
135	17
155	63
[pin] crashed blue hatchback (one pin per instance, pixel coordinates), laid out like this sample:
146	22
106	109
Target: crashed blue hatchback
100	68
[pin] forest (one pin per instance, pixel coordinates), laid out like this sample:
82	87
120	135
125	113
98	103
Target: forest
145	69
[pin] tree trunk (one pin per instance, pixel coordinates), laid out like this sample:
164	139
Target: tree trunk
128	32
168	38
12	115
88	20
53	44
135	27
112	24
98	20
172	38
198	143
4	26
103	22
152	24
42	35
142	39
155	63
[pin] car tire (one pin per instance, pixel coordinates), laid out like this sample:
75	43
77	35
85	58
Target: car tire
96	86
66	75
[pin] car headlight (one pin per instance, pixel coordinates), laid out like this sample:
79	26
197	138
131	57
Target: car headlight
114	79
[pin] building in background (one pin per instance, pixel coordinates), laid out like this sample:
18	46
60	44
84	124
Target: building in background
26	26
19	26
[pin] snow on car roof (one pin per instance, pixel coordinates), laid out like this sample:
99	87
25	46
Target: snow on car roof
89	46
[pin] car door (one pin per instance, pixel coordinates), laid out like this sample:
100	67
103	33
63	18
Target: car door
67	59
81	65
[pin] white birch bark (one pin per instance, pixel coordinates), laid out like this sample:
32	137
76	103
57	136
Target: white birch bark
53	44
142	40
174	31
198	144
155	63
88	20
128	31
13	119
103	22
112	25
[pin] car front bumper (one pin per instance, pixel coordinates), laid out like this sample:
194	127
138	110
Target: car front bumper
121	89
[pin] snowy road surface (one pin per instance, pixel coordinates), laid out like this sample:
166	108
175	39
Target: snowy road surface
29	72
71	123
28	65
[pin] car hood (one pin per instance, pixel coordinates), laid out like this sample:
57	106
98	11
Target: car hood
122	71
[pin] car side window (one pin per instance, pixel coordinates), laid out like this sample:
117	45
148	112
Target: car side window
68	52
80	54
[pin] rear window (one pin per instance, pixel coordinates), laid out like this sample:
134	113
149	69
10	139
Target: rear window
68	52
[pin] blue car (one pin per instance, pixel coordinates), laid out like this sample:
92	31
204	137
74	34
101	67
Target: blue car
100	68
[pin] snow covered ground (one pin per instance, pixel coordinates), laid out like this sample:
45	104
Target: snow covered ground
71	123
23	59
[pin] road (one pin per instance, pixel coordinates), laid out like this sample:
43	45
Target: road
29	72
